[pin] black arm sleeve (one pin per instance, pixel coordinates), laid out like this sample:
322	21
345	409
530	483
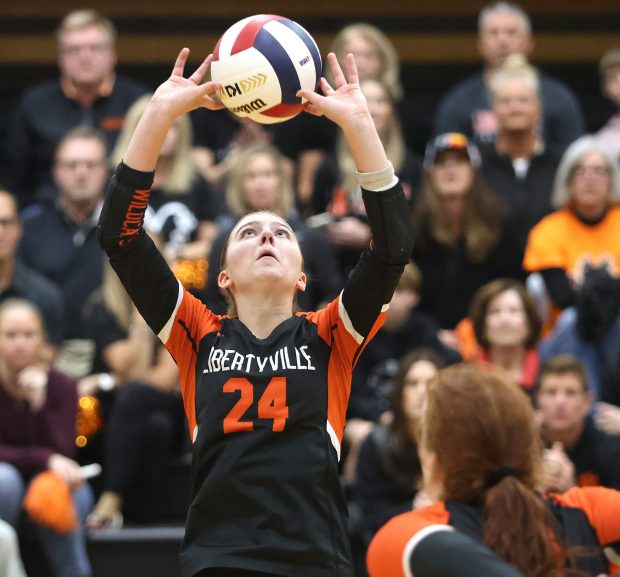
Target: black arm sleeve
377	273
133	255
449	553
558	287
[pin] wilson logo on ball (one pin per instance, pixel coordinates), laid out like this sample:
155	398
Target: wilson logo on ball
257	104
271	58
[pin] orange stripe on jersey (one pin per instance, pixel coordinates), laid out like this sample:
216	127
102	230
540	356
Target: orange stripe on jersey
193	320
335	328
385	556
601	506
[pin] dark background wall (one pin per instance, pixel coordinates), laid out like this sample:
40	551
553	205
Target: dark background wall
436	38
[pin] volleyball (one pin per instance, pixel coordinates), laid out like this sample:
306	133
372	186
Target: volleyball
261	62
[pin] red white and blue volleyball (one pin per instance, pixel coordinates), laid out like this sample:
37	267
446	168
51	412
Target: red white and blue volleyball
261	62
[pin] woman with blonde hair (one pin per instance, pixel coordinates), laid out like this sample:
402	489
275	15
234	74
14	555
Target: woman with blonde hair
260	179
182	208
481	462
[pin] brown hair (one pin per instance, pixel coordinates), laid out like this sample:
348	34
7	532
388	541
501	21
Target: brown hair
478	423
482	219
83	132
482	299
564	365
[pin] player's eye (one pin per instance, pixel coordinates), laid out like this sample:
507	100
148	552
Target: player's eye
247	232
282	232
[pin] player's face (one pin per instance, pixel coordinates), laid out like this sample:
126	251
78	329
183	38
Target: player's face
452	174
86	57
80	170
21	337
501	35
516	106
379	104
506	322
562	402
261	183
414	391
367	57
262	249
590	184
10	227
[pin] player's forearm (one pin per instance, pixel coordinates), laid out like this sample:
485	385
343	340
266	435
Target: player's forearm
148	138
364	142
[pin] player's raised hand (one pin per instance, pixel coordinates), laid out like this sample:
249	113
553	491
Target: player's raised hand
343	102
178	95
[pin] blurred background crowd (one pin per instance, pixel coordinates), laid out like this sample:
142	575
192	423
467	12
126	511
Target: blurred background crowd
513	182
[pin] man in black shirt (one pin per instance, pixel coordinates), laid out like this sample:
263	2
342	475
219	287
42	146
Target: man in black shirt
59	239
88	91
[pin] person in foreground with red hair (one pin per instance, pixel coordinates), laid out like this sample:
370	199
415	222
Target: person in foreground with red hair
481	459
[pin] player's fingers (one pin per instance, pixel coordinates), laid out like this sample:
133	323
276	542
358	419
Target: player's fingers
200	72
352	74
179	65
312	109
311	96
339	79
325	87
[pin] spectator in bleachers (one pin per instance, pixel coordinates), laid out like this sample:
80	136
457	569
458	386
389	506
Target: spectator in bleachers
182	209
20	281
505	28
10	559
145	422
37	433
388	469
260	180
583	234
88	91
337	194
507	326
519	166
609	68
59	239
564	401
461	239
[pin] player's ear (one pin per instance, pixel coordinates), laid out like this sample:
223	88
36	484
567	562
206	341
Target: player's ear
301	282
223	280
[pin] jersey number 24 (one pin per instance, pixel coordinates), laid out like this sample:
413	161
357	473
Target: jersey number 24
271	405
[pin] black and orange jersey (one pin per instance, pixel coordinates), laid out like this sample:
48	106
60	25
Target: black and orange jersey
414	544
266	416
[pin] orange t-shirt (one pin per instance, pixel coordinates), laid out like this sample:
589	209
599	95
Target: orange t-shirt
561	240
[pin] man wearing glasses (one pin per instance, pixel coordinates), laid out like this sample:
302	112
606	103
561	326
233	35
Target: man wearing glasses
88	91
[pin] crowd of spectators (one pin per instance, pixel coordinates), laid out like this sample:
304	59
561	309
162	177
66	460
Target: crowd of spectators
516	267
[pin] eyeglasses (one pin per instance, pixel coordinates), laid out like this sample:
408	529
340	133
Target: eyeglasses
74	164
595	171
73	49
7	222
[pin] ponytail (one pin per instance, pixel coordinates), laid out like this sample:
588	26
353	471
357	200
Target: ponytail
517	526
